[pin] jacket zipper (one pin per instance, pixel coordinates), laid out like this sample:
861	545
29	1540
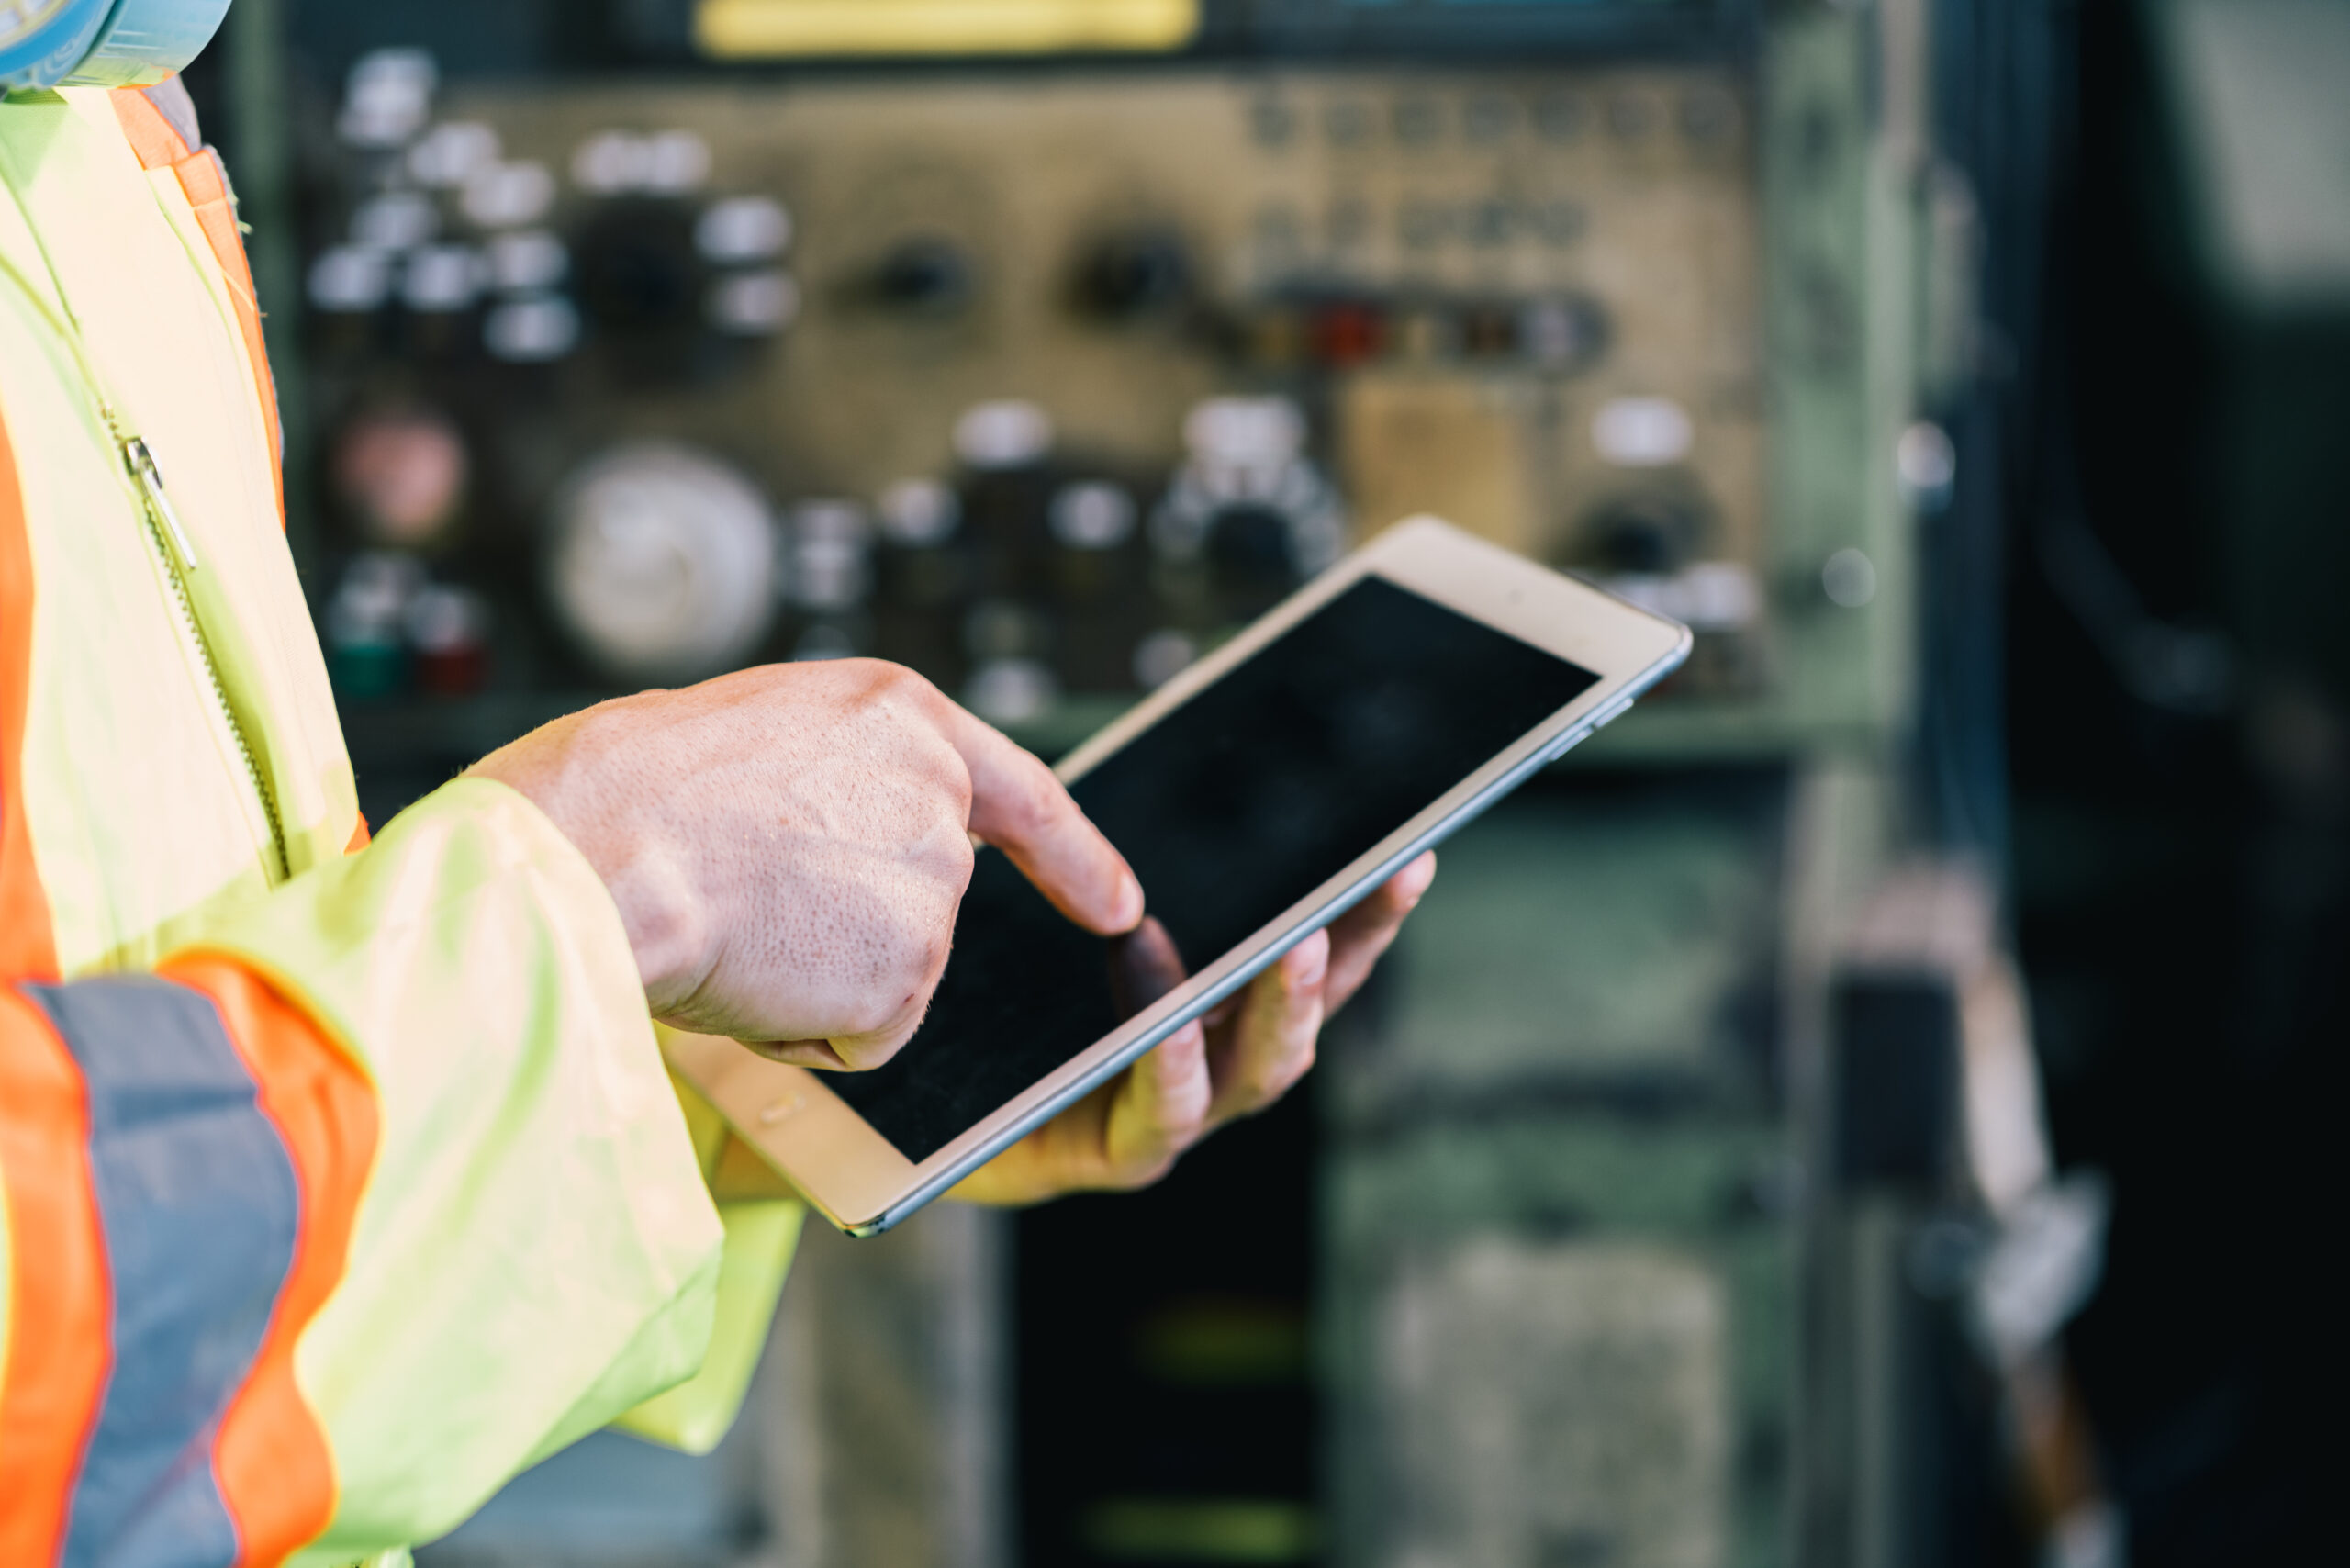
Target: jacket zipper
176	554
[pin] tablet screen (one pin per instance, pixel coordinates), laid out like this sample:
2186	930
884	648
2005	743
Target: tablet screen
1243	800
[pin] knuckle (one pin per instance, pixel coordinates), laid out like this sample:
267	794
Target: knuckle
909	688
861	678
958	857
933	769
913	974
939	862
882	1023
867	1019
954	775
927	939
879	686
931	954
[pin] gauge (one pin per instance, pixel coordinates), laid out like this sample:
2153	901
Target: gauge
402	472
662	563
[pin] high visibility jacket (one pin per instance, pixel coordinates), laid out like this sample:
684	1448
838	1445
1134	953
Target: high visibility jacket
338	1180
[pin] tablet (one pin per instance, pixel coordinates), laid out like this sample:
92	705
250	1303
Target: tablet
1257	796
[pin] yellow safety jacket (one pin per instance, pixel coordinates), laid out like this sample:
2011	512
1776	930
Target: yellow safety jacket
339	1181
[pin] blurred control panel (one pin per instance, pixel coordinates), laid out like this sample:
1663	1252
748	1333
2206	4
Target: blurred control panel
1039	381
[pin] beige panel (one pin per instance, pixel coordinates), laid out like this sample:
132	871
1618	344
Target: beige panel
1467	449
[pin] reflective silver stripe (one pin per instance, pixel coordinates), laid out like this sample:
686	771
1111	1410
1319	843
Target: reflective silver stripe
170	100
199	1202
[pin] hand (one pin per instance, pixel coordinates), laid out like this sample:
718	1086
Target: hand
788	846
1234	1062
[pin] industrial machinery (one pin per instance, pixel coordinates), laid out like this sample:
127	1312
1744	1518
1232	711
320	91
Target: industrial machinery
1040	382
1038	345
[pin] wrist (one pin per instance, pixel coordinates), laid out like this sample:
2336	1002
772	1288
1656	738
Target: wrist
577	780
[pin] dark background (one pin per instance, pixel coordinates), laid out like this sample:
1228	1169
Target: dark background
2179	875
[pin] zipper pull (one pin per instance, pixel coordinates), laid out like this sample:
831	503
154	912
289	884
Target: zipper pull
140	459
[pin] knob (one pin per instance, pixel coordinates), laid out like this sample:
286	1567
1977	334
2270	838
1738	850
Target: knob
924	274
639	276
1647	534
1248	552
1137	273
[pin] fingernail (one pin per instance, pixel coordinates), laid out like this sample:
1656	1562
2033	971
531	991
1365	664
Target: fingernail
1129	904
1306	962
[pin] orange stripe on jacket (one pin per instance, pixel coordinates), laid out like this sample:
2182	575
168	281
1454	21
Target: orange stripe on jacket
274	1467
153	136
159	147
27	946
60	1308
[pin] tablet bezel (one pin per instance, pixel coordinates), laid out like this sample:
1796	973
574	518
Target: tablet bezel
864	1184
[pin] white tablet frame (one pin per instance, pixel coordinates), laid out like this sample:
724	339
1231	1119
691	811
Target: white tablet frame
863	1184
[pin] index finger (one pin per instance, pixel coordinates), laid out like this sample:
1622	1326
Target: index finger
1018	806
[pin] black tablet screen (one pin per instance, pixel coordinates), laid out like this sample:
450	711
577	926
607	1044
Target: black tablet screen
1241	802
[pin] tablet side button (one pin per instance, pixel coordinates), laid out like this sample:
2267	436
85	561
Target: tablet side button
1585	730
1567	743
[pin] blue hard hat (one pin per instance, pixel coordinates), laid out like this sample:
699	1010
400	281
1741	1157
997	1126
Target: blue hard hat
106	43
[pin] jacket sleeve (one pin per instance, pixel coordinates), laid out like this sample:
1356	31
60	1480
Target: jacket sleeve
365	1202
761	1236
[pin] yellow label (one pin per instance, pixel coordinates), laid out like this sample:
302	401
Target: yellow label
755	29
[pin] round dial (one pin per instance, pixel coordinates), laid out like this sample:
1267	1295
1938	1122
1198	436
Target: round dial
663	563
